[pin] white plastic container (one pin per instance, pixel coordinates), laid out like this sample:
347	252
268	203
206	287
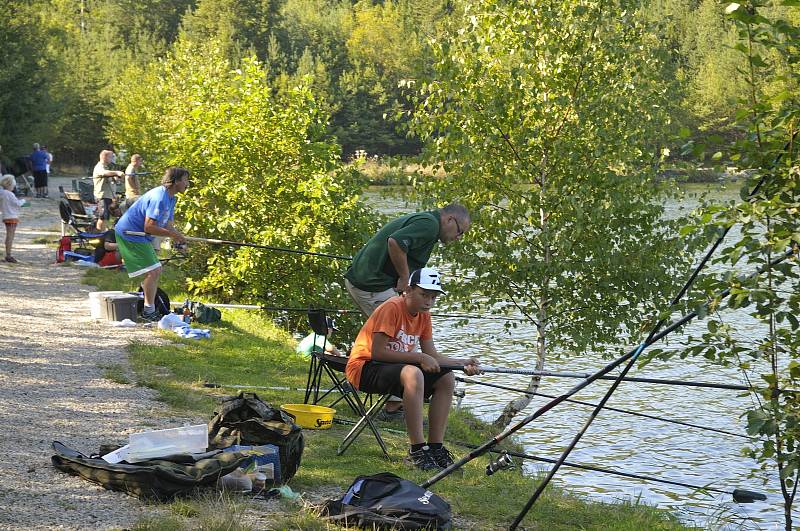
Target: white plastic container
97	302
160	443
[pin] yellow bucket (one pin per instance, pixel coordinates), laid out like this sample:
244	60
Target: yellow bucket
309	416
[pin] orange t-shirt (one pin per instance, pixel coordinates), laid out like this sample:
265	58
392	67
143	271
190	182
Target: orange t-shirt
391	318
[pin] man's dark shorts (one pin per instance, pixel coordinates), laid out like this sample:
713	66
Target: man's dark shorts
40	179
104	206
382	378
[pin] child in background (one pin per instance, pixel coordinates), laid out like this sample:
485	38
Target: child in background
314	343
9	206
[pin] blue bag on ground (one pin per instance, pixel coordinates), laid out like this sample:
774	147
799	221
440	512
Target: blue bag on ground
386	501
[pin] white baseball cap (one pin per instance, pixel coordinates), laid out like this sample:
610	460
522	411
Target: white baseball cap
427	278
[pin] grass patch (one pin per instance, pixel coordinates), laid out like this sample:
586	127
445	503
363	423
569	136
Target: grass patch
116	373
248	350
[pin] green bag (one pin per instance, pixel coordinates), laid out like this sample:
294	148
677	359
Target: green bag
154	479
205	314
245	419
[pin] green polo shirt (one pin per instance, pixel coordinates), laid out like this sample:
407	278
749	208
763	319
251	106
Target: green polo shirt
417	234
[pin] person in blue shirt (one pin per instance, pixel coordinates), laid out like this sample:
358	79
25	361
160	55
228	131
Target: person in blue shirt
153	214
39	160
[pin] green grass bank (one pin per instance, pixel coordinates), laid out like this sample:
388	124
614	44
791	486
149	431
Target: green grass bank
247	349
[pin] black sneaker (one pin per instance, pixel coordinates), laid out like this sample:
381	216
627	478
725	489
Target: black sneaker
390	416
151	317
421	459
442	457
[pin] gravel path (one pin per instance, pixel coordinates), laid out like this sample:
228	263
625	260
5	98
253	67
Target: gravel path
52	361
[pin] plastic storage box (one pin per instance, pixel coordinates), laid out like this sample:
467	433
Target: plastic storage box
119	307
265	459
97	303
161	443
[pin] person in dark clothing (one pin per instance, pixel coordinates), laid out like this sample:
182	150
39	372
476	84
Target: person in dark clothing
39	161
107	253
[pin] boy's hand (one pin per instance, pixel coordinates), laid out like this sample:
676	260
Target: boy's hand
472	367
428	363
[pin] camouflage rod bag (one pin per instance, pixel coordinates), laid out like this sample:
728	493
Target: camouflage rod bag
248	421
154	479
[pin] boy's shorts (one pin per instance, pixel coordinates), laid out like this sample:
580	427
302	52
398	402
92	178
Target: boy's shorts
139	257
11	221
382	378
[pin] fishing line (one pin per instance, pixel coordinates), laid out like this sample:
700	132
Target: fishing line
754	397
618	410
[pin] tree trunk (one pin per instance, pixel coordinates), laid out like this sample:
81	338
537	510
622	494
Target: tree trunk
518	404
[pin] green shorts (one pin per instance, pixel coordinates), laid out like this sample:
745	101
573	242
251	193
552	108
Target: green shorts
139	257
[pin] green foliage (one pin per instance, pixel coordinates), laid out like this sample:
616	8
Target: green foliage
767	218
544	121
262	172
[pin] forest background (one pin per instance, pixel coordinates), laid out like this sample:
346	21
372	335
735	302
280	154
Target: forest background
63	63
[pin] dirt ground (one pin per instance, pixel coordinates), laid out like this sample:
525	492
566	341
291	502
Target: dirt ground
53	358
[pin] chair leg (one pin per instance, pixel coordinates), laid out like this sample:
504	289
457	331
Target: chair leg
366	420
312	382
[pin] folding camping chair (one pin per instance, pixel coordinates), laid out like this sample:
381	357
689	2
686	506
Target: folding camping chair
73	213
334	366
24	184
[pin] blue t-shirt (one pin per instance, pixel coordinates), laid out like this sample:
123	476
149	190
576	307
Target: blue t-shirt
156	204
39	160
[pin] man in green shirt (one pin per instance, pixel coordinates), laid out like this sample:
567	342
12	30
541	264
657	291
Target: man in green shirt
381	268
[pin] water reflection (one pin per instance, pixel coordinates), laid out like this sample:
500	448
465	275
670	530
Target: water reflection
623	442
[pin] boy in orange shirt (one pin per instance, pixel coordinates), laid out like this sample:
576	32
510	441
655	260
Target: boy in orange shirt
384	360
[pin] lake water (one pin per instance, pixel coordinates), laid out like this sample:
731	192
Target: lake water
624	442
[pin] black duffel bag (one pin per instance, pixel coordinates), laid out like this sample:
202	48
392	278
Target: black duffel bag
386	501
249	421
154	479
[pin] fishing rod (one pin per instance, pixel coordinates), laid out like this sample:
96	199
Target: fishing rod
497	439
651	338
334	311
618	410
532	372
212	385
739	495
212	241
